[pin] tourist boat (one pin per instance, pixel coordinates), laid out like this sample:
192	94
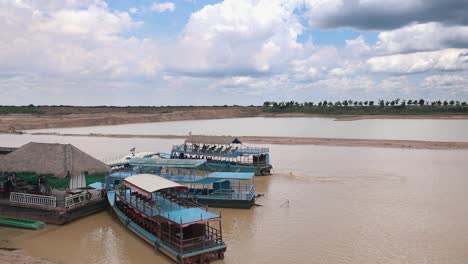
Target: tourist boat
224	153
152	208
215	189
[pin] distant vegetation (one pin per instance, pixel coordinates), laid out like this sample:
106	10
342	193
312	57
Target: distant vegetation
380	107
10	109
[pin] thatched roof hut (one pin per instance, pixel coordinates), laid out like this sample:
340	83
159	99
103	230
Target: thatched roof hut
58	160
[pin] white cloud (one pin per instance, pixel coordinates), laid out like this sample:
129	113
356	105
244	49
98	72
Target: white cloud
441	60
133	10
77	41
163	7
238	38
422	37
344	84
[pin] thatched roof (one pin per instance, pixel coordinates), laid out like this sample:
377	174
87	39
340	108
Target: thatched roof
212	140
51	159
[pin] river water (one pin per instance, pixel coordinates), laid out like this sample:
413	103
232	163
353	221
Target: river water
403	129
346	205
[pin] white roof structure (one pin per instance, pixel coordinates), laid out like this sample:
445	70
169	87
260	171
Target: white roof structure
124	159
151	183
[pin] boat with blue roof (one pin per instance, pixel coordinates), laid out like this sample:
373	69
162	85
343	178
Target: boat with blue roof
215	189
224	153
154	208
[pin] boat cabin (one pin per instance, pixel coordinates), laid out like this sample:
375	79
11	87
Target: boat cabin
224	153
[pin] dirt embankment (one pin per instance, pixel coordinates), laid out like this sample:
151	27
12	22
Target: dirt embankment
11	256
59	117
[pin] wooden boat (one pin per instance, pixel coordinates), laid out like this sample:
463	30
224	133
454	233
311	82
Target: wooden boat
22	223
215	189
151	207
224	153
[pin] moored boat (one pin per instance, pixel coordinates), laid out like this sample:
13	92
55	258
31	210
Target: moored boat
224	153
215	189
152	208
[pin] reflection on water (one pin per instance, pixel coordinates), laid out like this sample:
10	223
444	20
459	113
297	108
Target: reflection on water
408	129
346	205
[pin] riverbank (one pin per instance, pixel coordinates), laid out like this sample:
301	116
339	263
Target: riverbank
10	254
13	256
64	117
343	142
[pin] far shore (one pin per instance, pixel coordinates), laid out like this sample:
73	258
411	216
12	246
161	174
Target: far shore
67	117
344	142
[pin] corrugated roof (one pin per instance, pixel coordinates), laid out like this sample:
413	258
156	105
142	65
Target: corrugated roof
51	159
212	140
151	183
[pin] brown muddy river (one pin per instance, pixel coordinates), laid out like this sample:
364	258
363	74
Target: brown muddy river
346	205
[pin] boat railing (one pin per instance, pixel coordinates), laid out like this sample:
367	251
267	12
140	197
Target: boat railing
83	197
211	238
243	192
33	199
140	205
220	152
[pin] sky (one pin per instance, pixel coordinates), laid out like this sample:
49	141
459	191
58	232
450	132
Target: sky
243	52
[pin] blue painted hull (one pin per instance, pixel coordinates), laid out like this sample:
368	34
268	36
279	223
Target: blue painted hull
212	166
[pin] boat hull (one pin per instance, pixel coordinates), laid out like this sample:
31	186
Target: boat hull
56	216
223	203
259	171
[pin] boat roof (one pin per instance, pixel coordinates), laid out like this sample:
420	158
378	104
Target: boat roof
150	183
171	163
232	175
186	216
225	140
124	159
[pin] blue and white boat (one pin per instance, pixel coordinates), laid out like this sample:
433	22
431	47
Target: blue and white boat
153	208
224	153
215	189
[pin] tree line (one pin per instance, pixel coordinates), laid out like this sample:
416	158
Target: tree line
350	103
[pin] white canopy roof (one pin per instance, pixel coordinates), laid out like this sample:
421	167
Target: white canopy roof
151	183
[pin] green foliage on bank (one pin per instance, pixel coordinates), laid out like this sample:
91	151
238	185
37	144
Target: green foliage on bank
380	107
11	109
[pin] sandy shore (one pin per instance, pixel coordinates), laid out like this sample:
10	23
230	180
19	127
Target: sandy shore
20	257
12	255
346	142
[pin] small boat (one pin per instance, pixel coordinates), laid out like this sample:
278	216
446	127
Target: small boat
224	153
215	189
152	208
22	223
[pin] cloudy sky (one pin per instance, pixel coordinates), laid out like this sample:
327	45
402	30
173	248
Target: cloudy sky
122	52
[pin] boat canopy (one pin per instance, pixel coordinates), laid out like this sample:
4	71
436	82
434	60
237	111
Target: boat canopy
167	163
232	175
221	140
150	183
